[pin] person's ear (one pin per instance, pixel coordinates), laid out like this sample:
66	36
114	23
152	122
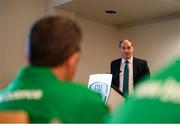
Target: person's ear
71	64
74	58
26	55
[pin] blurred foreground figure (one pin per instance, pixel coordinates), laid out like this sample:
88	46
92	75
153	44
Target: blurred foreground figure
44	88
155	100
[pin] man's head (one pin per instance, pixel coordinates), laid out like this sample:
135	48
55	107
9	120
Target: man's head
126	48
55	42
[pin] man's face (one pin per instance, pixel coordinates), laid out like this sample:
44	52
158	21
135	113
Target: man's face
126	49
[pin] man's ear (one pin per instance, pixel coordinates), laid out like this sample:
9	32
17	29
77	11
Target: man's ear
71	65
74	58
26	55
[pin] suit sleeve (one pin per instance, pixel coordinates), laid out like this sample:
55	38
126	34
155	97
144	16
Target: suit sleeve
146	70
111	66
114	78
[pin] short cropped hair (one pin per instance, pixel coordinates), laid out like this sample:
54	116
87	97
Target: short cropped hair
121	41
52	40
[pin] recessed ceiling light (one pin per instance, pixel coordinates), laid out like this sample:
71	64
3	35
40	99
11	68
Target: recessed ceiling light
110	12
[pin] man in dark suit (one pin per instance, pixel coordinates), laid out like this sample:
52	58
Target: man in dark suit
128	70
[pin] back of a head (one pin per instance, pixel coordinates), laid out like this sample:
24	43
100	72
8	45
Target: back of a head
52	40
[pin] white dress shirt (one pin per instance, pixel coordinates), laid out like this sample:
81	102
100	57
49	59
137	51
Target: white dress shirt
121	75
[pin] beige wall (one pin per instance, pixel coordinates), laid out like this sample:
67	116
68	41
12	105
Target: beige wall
52	3
157	42
1	37
98	45
98	48
16	16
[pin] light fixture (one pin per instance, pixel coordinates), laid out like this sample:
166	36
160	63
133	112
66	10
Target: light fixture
110	12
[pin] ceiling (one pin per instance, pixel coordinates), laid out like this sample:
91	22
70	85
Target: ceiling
128	11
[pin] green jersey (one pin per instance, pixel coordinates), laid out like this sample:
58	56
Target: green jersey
45	98
155	100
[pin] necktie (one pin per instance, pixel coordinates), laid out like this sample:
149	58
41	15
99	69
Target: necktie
126	79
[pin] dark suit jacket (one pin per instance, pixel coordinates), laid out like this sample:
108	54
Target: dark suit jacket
140	69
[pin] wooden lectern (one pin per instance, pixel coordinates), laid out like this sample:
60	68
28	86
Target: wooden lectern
115	98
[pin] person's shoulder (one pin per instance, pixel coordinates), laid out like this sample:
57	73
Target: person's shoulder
139	60
77	89
77	86
116	60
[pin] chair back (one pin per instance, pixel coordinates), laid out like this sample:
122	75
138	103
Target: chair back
15	116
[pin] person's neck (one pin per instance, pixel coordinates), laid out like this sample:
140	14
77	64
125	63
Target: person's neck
128	59
59	72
